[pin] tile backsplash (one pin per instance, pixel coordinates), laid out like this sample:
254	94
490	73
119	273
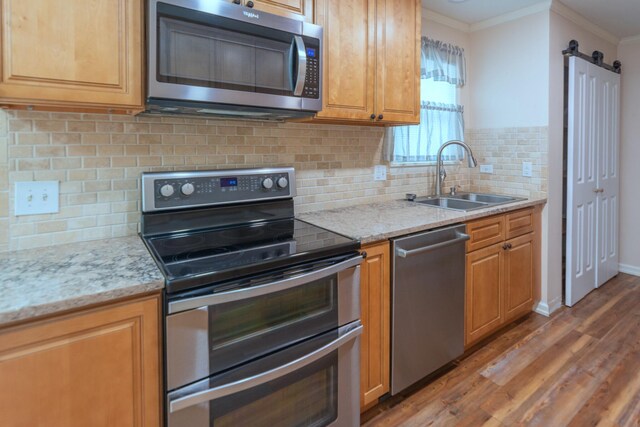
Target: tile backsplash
98	160
506	149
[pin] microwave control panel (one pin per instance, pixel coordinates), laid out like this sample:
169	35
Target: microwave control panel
312	83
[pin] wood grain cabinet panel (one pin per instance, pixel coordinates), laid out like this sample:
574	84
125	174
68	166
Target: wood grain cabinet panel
483	292
519	223
398	35
80	54
519	275
502	273
96	368
375	291
349	58
485	232
296	9
371	71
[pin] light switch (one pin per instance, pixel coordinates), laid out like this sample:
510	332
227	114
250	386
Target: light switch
380	173
37	197
527	169
486	168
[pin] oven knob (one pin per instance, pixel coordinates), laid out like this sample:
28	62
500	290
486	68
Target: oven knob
187	189
267	183
167	190
283	182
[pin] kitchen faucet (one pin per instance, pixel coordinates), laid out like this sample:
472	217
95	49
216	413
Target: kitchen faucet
441	174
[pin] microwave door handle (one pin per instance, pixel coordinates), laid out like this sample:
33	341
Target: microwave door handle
256	380
301	53
256	291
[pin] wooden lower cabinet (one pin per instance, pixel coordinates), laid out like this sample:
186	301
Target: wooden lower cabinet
519	274
375	344
99	367
501	278
483	292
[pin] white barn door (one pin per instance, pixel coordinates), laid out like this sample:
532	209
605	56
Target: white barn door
592	178
608	178
582	179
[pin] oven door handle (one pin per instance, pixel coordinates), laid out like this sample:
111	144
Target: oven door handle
184	402
256	291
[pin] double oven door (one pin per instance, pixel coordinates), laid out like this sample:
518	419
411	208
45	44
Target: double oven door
277	350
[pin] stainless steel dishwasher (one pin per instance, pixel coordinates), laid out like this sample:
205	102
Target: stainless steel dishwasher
428	303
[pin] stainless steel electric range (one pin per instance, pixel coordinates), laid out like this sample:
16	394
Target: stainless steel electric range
261	309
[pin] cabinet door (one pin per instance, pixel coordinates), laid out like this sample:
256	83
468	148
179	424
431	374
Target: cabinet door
80	53
398	60
349	61
519	276
483	294
296	9
375	288
97	368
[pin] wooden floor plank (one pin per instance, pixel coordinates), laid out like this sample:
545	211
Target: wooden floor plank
581	367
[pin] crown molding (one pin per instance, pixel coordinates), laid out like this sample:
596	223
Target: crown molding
511	16
431	15
583	22
630	40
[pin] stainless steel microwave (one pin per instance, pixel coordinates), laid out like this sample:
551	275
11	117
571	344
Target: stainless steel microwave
213	57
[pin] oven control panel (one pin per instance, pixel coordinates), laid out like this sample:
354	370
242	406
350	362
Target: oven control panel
190	189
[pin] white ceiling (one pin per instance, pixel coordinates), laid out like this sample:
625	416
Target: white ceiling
619	17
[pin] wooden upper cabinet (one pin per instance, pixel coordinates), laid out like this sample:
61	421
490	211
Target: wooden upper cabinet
296	9
349	58
398	61
77	54
371	71
99	367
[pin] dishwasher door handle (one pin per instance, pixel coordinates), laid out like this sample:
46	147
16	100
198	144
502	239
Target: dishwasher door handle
462	237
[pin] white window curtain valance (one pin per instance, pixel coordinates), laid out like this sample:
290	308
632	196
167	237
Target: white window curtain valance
443	62
439	123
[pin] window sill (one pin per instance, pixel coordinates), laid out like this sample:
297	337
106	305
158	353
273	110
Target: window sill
422	164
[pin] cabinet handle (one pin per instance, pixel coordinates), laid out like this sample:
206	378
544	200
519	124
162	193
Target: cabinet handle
236	1
373	117
380	117
507	246
250	4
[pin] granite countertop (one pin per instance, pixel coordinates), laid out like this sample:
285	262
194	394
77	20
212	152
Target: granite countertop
380	221
43	281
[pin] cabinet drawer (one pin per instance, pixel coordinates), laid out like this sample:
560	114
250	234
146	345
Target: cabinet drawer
519	223
485	232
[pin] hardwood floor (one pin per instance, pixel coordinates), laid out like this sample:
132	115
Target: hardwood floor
581	367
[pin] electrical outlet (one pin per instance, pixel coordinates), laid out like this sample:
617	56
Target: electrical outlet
527	169
36	197
486	168
380	173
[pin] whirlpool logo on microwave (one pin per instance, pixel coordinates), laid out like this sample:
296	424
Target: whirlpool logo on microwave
250	14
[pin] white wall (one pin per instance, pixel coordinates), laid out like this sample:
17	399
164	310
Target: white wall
561	31
629	54
509	75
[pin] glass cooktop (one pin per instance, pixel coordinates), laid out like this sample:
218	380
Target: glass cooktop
203	257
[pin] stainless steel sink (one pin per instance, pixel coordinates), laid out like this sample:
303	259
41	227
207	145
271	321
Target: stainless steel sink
467	201
486	198
451	203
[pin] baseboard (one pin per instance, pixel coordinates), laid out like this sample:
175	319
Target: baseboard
547	309
629	269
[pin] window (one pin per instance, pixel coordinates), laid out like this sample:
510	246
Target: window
441	118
